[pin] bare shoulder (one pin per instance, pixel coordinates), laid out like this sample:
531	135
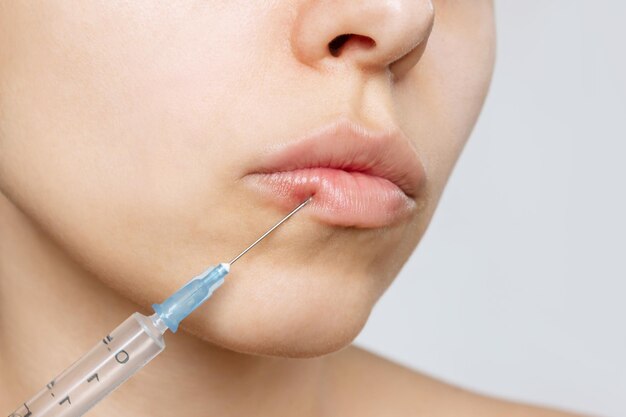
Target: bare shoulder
367	385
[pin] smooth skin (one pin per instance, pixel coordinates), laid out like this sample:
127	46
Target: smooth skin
126	131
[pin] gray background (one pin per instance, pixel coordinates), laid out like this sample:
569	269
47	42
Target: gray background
518	288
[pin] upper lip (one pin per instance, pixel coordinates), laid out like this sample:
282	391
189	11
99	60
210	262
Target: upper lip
348	146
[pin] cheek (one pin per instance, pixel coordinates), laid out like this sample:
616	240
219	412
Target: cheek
444	94
124	133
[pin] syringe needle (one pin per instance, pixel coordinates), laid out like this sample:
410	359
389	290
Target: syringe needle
294	211
188	298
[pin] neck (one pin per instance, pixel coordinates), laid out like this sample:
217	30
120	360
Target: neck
52	311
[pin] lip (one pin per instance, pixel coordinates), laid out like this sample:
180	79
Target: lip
357	177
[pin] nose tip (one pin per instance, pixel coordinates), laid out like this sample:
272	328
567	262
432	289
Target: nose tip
370	34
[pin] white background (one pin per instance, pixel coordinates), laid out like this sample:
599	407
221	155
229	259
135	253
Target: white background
518	288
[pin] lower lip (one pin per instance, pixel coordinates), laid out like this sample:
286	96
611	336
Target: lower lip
340	198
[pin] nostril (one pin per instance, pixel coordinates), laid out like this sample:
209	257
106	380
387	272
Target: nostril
336	45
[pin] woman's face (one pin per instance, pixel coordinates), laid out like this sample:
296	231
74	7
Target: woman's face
153	139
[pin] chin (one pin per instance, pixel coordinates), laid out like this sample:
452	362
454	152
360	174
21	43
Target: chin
295	315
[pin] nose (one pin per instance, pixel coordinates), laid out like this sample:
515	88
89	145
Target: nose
371	34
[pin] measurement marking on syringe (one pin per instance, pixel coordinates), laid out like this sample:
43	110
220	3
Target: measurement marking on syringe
124	358
49	386
121	357
106	341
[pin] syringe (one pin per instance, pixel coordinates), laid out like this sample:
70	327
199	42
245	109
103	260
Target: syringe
128	348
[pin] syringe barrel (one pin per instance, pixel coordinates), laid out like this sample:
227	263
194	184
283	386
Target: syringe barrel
111	362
